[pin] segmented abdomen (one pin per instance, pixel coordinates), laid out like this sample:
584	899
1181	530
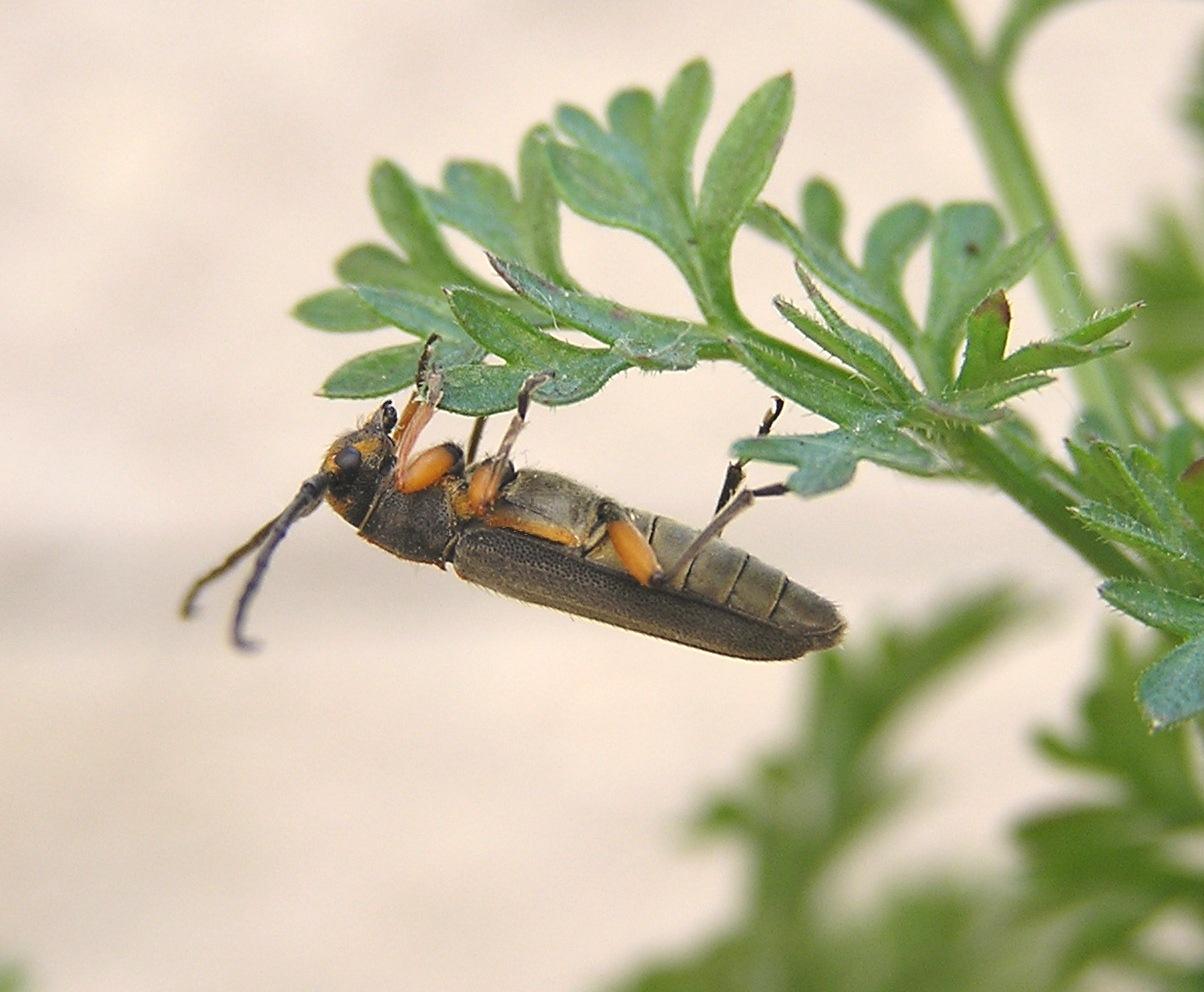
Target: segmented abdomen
729	577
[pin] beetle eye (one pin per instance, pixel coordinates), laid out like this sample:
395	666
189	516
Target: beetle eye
348	460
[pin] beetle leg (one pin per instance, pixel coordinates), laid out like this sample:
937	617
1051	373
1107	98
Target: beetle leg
630	544
742	501
735	471
474	440
418	411
489	477
513	518
427	468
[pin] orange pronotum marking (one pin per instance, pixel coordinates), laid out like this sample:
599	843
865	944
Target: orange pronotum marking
633	550
425	469
549	531
483	487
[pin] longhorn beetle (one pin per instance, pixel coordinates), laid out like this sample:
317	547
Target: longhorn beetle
546	539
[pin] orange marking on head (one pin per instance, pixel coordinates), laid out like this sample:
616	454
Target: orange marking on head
369	448
525	524
483	487
425	469
633	550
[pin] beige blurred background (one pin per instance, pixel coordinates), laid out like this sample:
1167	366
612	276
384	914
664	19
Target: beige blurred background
418	784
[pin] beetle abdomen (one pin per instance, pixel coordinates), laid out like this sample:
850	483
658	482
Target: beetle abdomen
763	615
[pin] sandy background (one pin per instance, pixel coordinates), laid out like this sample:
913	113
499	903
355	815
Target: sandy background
417	784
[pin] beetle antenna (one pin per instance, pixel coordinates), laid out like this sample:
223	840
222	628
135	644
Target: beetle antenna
188	604
307	499
269	535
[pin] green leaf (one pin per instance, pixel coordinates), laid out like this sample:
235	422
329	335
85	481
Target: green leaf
986	338
1156	606
1190	489
824	462
540	206
735	174
1043	355
390	370
595	189
1105	477
986	399
965	237
416	313
478	199
632	118
1102	324
828	461
1132	533
893	238
375	265
890	244
1172	689
337	310
823	214
579	372
679	124
809	381
646	341
637	175
969	262
855	348
406	216
376	373
1167	512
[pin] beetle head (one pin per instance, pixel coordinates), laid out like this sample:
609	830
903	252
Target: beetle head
357	463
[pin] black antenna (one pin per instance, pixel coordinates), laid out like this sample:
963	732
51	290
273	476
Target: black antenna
269	536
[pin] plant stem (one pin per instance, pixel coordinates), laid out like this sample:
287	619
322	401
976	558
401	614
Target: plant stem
1043	501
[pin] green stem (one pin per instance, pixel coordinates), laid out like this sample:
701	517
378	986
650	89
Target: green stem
1043	501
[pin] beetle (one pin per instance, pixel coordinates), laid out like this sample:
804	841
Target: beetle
546	539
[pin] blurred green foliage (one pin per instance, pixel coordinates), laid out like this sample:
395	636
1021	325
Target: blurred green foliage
1096	879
